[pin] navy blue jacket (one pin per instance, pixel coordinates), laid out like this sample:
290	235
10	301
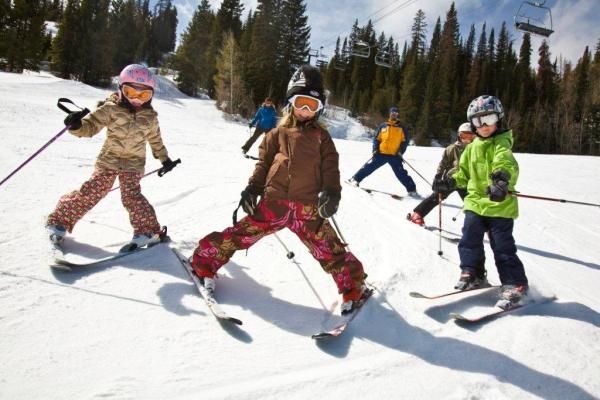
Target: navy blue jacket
266	117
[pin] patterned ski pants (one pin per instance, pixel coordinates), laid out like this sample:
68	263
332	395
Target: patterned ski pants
217	248
73	206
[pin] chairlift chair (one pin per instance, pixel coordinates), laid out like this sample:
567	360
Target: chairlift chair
526	22
383	59
361	49
321	64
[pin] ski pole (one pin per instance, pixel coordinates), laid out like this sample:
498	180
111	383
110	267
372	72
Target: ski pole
145	175
518	194
456	216
440	252
417	172
289	254
48	143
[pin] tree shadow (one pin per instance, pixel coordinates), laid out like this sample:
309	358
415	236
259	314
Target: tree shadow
556	256
384	326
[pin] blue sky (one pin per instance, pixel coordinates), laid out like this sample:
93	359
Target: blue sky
575	22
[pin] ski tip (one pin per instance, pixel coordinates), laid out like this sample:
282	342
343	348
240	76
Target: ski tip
458	317
322	335
234	320
58	266
417	295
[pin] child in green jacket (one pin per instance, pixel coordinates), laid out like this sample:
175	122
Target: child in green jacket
489	172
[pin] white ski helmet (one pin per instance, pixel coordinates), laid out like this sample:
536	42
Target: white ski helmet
465	127
484	105
137	73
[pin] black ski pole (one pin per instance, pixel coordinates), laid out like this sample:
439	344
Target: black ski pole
289	254
440	252
417	172
456	216
518	194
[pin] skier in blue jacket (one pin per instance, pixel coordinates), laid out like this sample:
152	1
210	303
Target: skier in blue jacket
265	120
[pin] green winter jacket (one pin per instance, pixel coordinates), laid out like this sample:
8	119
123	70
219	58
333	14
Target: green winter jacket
478	161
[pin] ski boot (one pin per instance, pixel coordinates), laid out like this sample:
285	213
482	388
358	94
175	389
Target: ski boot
414	194
145	239
353	182
57	234
207	278
512	296
415	218
469	281
354	299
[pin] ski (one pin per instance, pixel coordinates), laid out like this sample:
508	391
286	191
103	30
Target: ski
371	191
340	327
63	264
419	295
496	312
208	297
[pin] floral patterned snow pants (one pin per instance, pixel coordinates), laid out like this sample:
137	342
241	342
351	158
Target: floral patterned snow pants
217	248
73	206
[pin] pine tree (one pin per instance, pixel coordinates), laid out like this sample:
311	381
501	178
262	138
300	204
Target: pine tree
191	56
162	31
23	35
95	59
66	46
263	52
230	91
293	45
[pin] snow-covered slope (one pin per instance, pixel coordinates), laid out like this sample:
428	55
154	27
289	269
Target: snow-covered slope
136	329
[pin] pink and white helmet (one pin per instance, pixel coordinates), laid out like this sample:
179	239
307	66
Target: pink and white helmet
137	73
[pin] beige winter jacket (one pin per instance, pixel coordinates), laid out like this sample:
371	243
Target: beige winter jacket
126	135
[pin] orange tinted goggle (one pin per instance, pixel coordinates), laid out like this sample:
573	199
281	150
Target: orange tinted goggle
309	103
132	93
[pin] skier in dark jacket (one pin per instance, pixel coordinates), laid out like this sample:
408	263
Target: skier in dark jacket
265	120
298	181
389	144
447	167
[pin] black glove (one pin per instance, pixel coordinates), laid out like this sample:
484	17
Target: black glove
498	190
73	120
250	199
328	203
168	165
441	184
250	125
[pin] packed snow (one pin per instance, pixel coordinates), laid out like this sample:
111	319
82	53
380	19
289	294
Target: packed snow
136	328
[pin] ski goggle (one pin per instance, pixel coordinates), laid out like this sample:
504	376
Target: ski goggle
489	119
133	93
300	102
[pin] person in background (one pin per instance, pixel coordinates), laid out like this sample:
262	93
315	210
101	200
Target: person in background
389	144
447	167
265	120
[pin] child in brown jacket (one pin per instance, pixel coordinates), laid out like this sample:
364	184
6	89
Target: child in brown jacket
298	180
130	122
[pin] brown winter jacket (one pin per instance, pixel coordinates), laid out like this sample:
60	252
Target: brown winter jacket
126	135
297	163
449	163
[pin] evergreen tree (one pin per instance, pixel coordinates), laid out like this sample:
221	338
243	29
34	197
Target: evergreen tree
66	46
229	86
23	35
263	52
95	59
293	45
191	57
162	31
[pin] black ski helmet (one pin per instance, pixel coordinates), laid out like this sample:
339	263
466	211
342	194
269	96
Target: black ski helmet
307	80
